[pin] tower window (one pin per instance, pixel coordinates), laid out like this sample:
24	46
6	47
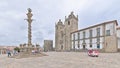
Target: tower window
62	34
68	22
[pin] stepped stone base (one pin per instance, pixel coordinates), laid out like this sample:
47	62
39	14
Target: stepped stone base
28	54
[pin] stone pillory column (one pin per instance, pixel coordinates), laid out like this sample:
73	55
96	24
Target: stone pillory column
29	20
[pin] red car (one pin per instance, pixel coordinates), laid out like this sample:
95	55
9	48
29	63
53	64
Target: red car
93	53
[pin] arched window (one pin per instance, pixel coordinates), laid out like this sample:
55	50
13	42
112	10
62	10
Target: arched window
68	22
62	34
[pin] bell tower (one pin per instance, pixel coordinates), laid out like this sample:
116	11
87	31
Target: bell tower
71	25
59	29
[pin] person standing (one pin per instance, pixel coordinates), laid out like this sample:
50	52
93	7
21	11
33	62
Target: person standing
9	53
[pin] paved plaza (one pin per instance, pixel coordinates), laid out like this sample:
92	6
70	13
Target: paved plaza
63	60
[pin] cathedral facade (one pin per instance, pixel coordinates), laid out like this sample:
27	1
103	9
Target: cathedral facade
104	37
63	32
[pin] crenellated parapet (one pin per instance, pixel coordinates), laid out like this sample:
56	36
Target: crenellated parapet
60	22
71	16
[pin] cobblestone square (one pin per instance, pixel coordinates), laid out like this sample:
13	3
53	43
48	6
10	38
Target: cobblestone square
63	60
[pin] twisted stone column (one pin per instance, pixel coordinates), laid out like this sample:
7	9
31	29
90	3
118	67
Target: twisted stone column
29	35
29	16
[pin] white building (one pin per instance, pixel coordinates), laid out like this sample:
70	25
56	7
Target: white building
3	49
101	36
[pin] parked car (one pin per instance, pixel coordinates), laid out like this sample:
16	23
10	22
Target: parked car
93	53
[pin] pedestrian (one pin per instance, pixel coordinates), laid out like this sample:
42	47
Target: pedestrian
9	53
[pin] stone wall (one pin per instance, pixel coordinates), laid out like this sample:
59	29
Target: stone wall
111	44
48	45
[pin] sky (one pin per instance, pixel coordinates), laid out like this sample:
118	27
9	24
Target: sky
13	27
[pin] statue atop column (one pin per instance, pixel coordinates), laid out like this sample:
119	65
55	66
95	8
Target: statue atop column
29	14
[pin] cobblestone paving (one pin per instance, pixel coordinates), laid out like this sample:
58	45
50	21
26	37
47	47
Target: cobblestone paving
63	60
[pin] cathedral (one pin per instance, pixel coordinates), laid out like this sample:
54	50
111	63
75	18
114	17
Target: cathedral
104	37
63	32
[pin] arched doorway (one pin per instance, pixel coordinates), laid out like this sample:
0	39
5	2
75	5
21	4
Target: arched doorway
61	47
84	46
